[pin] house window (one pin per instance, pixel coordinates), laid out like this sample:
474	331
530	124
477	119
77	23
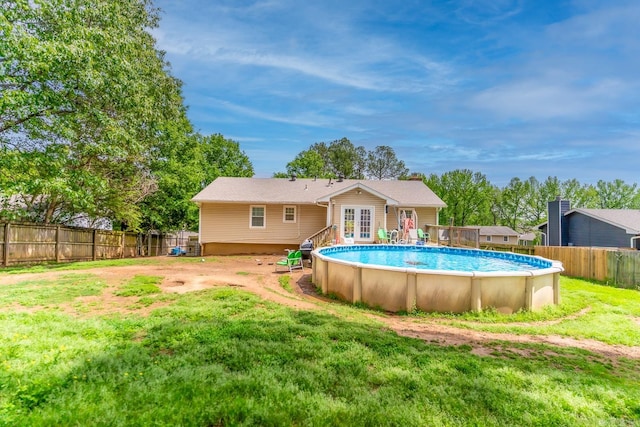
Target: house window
488	238
506	238
257	217
289	214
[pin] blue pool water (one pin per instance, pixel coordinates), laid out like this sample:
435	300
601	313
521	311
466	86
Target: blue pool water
435	258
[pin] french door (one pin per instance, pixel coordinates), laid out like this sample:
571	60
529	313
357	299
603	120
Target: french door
357	222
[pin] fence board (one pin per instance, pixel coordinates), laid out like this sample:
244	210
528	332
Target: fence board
625	269
620	267
22	243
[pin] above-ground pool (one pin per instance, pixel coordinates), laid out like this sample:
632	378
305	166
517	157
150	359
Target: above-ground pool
441	279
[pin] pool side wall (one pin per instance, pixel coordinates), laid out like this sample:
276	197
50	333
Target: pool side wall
405	289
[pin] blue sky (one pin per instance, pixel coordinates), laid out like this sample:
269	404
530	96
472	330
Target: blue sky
503	87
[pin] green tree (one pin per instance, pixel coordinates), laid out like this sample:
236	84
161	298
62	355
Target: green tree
186	166
512	204
382	163
307	164
580	195
345	159
617	195
468	196
86	99
219	156
540	194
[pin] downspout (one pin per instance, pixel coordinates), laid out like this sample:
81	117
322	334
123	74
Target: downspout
632	239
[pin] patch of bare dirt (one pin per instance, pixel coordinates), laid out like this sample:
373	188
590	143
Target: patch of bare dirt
258	275
484	343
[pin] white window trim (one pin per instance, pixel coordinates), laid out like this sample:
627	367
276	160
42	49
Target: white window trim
295	214
264	210
488	238
506	239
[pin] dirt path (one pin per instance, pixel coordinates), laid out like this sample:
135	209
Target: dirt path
257	275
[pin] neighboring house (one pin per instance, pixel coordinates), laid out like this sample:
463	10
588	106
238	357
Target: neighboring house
267	215
498	234
618	228
527	239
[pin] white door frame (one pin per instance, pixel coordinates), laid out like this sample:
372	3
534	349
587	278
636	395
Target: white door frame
358	227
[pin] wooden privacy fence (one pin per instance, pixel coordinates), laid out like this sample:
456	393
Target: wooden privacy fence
25	243
616	266
454	236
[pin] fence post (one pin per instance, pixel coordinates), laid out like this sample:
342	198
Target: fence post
58	243
149	244
95	245
5	260
122	242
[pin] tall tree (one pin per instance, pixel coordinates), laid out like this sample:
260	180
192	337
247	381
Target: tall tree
468	196
345	159
512	203
382	163
342	158
580	195
86	98
617	195
186	166
535	211
307	164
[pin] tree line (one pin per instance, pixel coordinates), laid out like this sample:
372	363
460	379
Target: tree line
521	204
340	158
470	197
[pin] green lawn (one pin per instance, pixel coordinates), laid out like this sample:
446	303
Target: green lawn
226	357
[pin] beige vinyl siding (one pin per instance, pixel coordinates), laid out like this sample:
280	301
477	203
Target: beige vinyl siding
352	198
364	199
229	223
513	240
425	216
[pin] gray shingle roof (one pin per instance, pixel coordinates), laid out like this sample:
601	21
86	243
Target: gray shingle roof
627	219
496	230
309	191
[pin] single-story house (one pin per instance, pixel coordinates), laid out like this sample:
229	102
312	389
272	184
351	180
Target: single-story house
268	215
498	234
617	228
527	239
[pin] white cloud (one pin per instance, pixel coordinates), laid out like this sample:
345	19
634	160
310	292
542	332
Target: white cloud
544	99
303	118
